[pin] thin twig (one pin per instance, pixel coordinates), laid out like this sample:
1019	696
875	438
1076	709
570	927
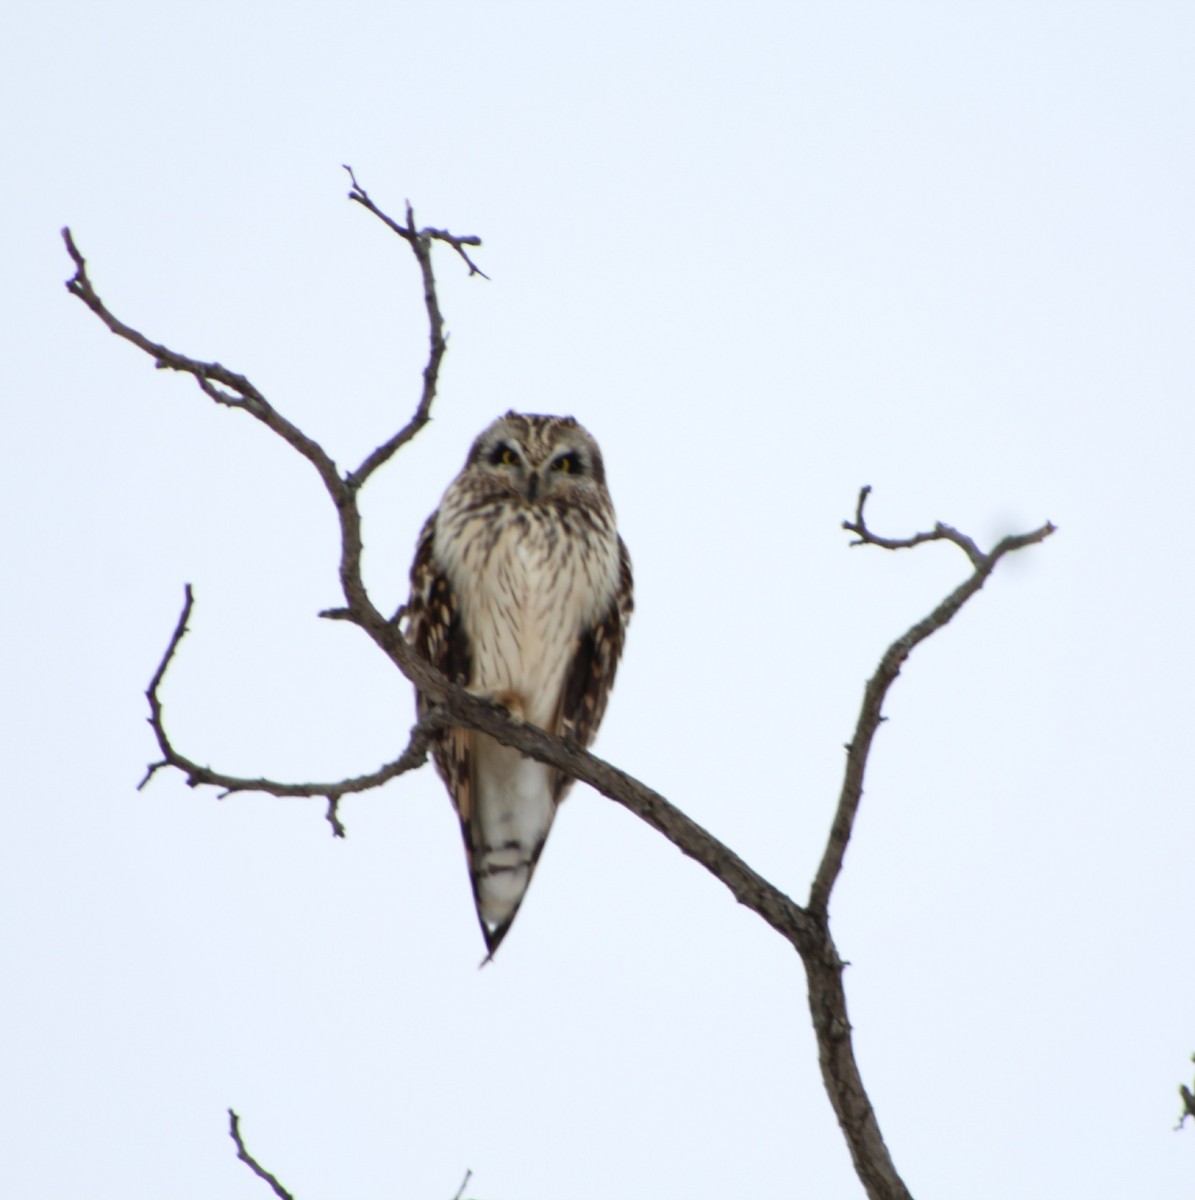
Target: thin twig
234	1131
240	392
1188	1104
414	756
460	1191
870	713
408	233
458	244
1188	1098
420	242
333	817
939	532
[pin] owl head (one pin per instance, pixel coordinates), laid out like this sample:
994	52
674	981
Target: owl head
539	459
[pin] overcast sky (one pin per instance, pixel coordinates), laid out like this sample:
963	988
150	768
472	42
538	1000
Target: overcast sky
767	254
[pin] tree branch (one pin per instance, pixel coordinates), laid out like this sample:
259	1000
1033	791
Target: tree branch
1188	1098
359	194
463	709
420	242
239	393
939	532
894	658
234	1131
415	754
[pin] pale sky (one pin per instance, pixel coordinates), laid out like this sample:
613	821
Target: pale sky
766	253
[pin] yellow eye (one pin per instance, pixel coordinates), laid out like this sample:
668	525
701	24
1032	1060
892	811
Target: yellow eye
565	464
504	456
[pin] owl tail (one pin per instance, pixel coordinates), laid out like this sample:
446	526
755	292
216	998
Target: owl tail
501	876
512	815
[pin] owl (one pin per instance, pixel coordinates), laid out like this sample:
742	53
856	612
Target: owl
521	591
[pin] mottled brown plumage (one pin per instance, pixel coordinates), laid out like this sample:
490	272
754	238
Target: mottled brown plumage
521	590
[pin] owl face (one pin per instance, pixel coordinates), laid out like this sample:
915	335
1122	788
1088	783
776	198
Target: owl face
539	459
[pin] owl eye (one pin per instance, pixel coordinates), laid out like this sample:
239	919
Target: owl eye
504	456
566	464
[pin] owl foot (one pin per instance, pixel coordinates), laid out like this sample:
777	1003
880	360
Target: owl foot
509	701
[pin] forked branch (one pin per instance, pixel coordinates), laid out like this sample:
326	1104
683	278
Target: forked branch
420	242
414	756
218	382
870	714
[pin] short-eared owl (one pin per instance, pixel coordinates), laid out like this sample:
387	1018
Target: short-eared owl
521	591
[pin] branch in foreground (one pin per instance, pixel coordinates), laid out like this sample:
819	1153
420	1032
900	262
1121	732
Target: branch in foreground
234	1131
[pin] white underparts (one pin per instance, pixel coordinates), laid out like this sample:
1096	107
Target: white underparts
528	585
515	811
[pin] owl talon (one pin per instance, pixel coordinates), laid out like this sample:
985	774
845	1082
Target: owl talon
511	702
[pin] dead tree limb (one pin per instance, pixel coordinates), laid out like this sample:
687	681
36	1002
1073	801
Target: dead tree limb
804	927
889	668
234	1132
414	756
1188	1098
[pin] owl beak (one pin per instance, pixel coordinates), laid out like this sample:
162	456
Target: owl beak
532	486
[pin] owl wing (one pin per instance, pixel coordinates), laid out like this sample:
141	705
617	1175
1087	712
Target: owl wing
435	630
591	674
437	633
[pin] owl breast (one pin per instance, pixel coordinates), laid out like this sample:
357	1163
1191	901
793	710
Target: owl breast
529	580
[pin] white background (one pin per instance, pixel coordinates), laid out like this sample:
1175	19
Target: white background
766	254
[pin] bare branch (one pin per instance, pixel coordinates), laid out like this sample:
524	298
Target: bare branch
333	816
420	242
239	393
1188	1105
460	1191
236	391
890	665
840	1071
337	614
407	232
234	1131
458	707
1188	1098
458	244
415	754
939	532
